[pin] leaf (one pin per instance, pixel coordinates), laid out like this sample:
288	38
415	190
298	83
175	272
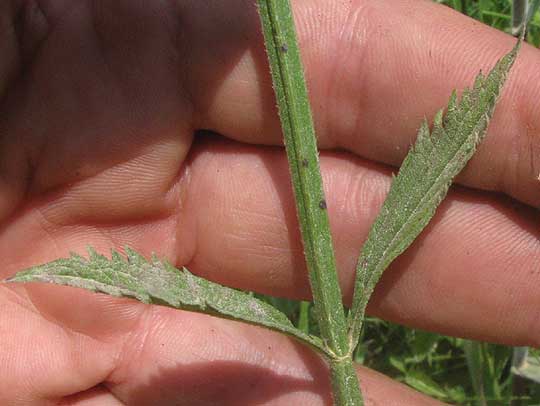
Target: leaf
422	344
397	363
534	5
425	384
424	179
476	364
158	282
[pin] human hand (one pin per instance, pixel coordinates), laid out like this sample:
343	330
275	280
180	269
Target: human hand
100	102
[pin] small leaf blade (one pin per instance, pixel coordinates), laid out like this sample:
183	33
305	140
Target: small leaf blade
424	179
157	282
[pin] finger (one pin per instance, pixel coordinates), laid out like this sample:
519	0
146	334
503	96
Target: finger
470	274
41	361
97	396
374	71
9	63
230	363
128	353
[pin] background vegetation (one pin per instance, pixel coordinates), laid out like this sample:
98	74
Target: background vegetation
497	13
454	370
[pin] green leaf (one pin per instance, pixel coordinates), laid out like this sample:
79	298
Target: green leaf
424	179
422	344
158	282
533	8
420	381
398	363
476	364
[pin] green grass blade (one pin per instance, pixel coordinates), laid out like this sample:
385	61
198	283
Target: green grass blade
158	282
423	181
497	15
475	364
486	363
457	4
533	8
483	7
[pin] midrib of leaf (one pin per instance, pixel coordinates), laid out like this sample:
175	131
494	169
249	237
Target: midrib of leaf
158	282
427	170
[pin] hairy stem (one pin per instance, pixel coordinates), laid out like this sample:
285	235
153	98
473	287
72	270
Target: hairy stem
300	142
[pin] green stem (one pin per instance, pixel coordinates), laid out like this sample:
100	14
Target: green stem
345	383
303	317
301	146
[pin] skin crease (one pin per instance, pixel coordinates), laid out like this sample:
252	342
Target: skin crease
101	110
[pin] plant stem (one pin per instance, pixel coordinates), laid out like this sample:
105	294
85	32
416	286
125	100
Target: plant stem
301	146
519	15
345	383
303	318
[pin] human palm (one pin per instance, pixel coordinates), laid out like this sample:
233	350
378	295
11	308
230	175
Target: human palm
152	124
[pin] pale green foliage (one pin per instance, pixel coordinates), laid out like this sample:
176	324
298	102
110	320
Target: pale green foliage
158	282
424	179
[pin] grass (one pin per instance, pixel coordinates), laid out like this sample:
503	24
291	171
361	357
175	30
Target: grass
454	370
496	13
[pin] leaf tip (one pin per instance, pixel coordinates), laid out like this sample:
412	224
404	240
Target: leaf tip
438	120
133	257
20	277
479	81
116	257
93	255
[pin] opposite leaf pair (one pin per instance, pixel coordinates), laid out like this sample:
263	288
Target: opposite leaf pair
421	184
